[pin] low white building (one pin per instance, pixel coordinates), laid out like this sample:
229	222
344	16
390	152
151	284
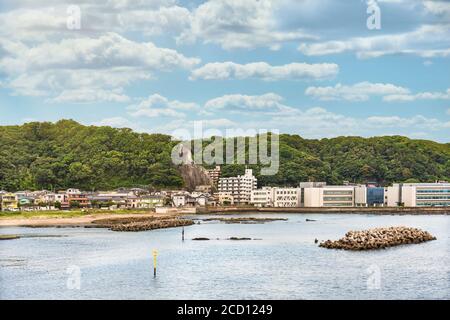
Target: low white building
392	197
287	197
276	197
418	194
262	197
180	199
73	192
360	196
186	199
329	196
225	198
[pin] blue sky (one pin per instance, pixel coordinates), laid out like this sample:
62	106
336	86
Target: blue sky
307	67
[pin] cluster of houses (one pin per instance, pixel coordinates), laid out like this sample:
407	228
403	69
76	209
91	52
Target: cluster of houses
134	198
239	190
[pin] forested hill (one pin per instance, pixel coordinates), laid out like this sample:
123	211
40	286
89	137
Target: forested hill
66	154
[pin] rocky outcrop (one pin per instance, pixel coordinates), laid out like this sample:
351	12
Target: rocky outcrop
9	236
378	238
245	219
142	224
193	176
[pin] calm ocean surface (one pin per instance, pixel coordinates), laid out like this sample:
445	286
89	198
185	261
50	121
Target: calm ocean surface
284	264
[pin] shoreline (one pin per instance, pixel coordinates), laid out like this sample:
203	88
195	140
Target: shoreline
333	210
82	221
86	220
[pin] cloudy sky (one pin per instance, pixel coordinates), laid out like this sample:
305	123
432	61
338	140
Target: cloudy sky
309	67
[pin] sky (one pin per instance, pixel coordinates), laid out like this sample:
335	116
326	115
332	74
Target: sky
316	68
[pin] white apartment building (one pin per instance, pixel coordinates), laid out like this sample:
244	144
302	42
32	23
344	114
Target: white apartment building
262	197
418	195
287	197
240	187
329	196
276	197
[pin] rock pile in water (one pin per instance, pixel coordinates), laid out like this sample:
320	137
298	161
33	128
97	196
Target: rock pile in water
243	220
378	238
142	224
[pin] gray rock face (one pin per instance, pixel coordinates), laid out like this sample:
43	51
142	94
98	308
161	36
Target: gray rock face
194	175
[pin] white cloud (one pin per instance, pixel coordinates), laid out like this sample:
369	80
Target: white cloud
28	22
239	24
87	95
358	92
422	42
437	7
418	96
318	122
53	82
417	121
108	50
264	71
117	122
240	102
76	67
157	105
173	19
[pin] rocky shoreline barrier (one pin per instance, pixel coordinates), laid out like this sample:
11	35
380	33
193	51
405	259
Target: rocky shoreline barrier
244	219
141	224
378	238
231	238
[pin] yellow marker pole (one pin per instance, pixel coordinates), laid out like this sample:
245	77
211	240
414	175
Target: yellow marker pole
155	254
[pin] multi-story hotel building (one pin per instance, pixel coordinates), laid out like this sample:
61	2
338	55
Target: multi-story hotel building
239	187
214	175
418	195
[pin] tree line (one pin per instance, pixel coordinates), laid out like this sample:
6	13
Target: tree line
44	155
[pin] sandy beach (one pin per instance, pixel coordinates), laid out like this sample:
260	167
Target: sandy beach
72	221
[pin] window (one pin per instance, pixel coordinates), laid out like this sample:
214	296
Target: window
338	192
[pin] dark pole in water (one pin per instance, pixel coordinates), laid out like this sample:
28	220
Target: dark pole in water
155	254
182	234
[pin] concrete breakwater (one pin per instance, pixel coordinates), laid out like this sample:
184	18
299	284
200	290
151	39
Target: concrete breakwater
142	224
378	238
244	219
